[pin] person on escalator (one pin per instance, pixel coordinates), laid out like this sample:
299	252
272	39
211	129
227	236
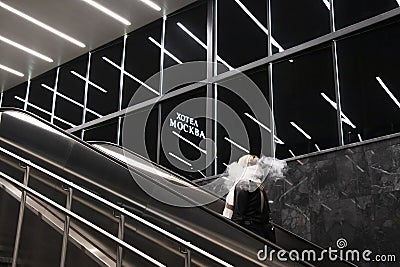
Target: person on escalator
247	202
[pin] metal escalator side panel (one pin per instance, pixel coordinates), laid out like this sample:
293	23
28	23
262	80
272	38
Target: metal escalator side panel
34	138
55	220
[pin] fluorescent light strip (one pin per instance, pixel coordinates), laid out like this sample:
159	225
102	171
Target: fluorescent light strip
130	75
237	145
226	165
259	24
165	50
359	137
44	111
317	147
89	82
277	140
202	174
178	158
70	100
300	130
388	91
107	12
152	4
202	44
291	153
398	2
334	105
328	5
15	72
190	143
25	49
42	25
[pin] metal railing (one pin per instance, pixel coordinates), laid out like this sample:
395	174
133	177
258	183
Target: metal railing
189	247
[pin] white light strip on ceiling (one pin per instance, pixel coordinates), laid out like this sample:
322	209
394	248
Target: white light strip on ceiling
42	25
226	165
201	43
130	75
277	140
291	153
15	72
334	105
190	143
300	130
89	82
317	147
152	4
25	49
328	5
108	12
359	137
166	51
71	100
178	158
388	91
44	111
237	145
259	24
202	174
398	2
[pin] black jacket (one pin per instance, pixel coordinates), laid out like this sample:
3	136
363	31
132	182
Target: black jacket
247	204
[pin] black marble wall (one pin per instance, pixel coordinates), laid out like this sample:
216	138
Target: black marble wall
351	193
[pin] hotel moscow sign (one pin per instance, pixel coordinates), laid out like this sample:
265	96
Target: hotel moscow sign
186	124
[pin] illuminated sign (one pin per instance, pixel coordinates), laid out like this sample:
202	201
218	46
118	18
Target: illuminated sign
186	124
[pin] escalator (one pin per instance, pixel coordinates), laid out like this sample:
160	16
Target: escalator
90	167
284	238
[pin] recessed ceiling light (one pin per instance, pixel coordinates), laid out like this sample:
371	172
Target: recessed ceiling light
201	43
259	24
390	94
165	50
300	130
327	4
152	4
70	99
15	72
26	49
334	105
178	158
276	139
42	25
44	111
89	82
317	147
190	143
130	75
291	153
108	12
237	145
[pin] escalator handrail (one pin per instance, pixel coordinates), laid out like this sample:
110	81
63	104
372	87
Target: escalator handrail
211	211
89	224
208	178
117	208
123	164
141	157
